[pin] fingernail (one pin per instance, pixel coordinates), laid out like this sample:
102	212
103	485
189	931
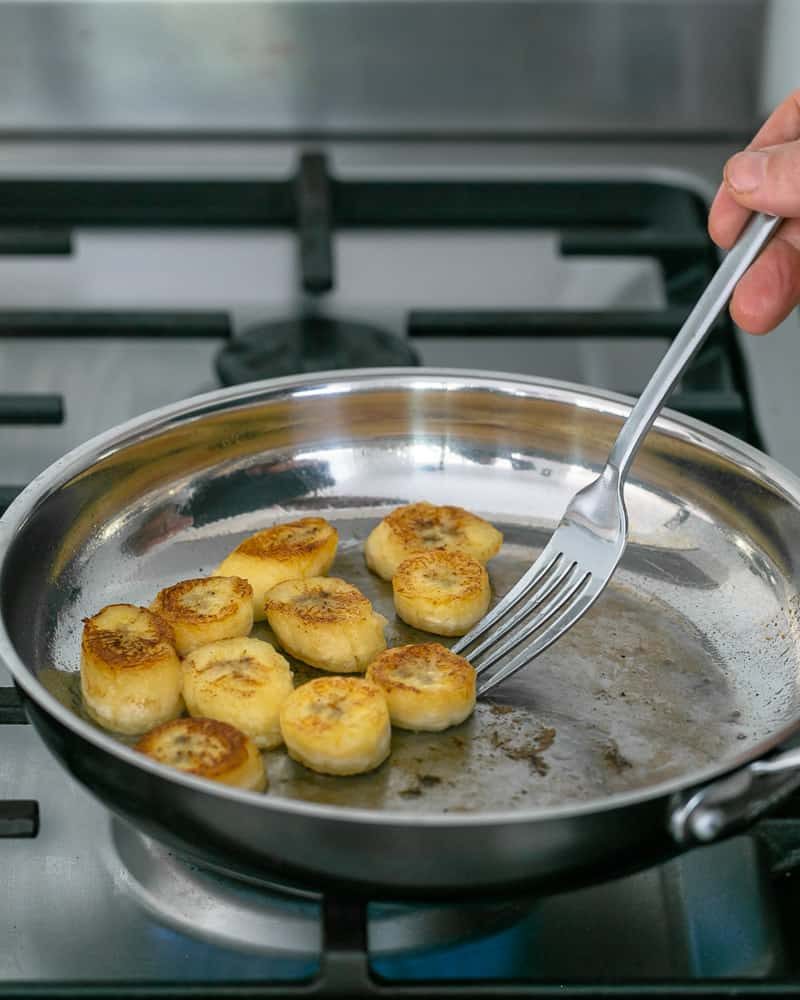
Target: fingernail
745	171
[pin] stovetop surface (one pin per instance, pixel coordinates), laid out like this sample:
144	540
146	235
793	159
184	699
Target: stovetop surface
72	911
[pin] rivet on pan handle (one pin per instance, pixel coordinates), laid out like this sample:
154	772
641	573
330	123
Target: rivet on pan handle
734	802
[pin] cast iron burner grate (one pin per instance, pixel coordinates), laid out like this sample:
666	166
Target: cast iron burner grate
20	817
592	217
32	409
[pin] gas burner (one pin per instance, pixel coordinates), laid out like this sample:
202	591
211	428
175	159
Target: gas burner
309	344
268	918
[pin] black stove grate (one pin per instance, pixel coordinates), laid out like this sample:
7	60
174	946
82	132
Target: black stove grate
20	817
27	409
118	323
597	217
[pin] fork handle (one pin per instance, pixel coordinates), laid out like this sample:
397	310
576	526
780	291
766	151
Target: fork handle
688	341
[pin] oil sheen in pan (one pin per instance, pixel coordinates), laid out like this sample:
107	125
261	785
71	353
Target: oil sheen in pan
632	696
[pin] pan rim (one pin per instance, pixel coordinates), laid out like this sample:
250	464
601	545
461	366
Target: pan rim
152	422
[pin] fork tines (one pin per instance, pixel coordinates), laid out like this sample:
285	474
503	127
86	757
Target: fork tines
533	611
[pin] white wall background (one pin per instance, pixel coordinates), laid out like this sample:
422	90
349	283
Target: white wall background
781	72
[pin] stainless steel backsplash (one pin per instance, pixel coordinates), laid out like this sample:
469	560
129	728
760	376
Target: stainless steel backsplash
478	67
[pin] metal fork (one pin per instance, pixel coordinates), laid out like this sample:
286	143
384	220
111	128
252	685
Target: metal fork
588	543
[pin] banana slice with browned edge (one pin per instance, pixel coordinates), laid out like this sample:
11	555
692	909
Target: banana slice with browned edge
130	671
206	610
291	551
337	725
243	682
427	687
441	591
422	527
209	749
327	623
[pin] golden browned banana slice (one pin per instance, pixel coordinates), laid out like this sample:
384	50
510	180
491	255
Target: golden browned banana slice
326	622
427	687
290	551
209	749
205	610
130	671
441	591
337	725
243	682
420	527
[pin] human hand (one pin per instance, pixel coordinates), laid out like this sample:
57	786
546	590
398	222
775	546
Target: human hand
764	178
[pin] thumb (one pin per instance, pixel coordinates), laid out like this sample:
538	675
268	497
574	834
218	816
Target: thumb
767	180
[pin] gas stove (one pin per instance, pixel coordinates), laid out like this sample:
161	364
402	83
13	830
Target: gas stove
123	287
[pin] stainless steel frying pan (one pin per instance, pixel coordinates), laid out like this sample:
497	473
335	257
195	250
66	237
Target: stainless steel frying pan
653	724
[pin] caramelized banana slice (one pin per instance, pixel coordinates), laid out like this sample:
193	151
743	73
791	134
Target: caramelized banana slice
205	610
421	527
441	591
209	749
290	551
427	687
130	671
243	682
337	725
327	623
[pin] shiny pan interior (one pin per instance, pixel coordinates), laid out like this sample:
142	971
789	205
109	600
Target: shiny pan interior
686	667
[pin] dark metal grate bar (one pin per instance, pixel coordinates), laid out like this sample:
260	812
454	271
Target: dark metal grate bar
515	204
124	323
145	203
355	203
344	964
546	323
315	221
19	818
34	241
669	247
11	711
31	408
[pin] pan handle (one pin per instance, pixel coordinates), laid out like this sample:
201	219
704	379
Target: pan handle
735	801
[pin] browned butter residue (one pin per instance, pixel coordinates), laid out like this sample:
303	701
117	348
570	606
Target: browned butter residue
531	751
